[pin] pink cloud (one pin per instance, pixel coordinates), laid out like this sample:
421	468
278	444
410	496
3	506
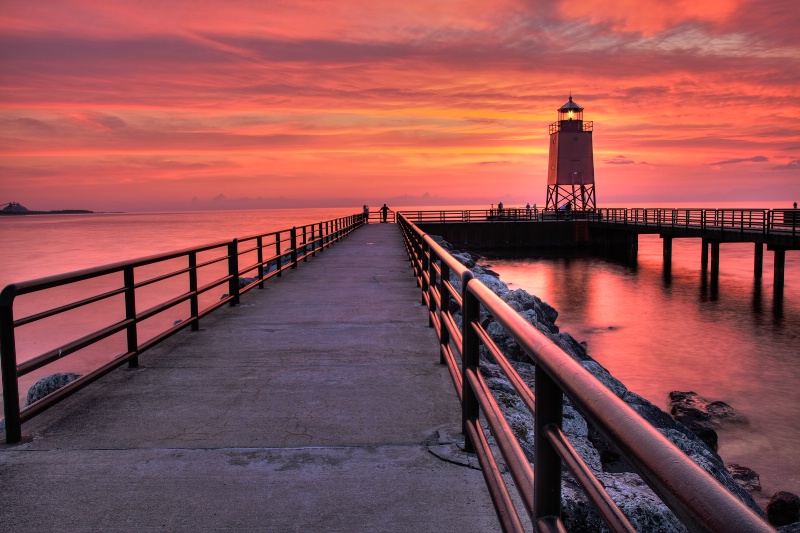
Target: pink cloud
248	101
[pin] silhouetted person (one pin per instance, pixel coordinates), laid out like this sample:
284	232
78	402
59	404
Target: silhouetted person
384	211
366	214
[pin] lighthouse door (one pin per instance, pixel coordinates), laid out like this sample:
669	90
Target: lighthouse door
577	172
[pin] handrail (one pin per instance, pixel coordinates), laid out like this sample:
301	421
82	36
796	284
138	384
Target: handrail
695	497
766	221
272	259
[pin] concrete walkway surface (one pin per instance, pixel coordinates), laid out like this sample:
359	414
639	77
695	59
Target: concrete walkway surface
305	408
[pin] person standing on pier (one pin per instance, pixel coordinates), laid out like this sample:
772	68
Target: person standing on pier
366	214
384	212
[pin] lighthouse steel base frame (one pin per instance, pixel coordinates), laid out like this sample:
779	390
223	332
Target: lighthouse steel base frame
579	197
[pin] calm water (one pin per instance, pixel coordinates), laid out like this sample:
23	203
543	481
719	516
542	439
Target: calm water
728	344
43	245
37	246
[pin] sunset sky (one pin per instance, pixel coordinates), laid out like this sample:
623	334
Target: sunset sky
168	104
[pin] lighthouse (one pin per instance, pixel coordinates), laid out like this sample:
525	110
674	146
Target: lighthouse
570	173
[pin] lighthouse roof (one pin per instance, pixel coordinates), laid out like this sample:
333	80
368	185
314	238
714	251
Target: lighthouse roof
570	106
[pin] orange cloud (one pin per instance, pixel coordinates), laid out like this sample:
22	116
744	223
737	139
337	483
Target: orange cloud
648	17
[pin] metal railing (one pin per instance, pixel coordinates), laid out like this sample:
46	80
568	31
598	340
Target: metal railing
478	215
695	497
588	125
763	220
376	216
269	255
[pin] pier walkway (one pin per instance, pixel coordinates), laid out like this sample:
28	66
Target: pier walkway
307	407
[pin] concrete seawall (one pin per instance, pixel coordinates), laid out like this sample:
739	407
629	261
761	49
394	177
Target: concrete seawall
522	237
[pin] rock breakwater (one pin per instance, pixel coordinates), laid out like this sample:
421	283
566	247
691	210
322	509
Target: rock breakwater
643	508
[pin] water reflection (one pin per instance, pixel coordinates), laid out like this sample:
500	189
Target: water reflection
718	337
758	301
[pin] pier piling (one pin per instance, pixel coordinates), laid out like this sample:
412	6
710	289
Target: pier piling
714	260
779	270
758	265
667	254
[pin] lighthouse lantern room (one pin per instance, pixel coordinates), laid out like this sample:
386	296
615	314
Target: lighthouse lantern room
570	174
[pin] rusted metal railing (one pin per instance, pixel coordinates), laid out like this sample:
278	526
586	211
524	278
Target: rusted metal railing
268	255
695	497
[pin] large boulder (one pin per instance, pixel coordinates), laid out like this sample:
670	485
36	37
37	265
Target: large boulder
745	477
783	508
703	416
49	384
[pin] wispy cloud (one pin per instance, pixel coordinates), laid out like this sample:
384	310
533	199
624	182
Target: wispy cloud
622	160
791	165
754	159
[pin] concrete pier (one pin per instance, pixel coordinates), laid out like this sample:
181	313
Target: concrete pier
308	407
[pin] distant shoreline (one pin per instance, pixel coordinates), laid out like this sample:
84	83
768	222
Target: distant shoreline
57	212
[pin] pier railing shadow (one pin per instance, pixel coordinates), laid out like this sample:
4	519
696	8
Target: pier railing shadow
696	498
140	293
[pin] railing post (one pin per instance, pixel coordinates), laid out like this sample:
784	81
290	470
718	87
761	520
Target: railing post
431	284
294	246
424	251
546	462
470	350
233	270
8	364
194	306
770	222
305	246
321	239
420	266
444	308
741	222
279	257
130	314
260	259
